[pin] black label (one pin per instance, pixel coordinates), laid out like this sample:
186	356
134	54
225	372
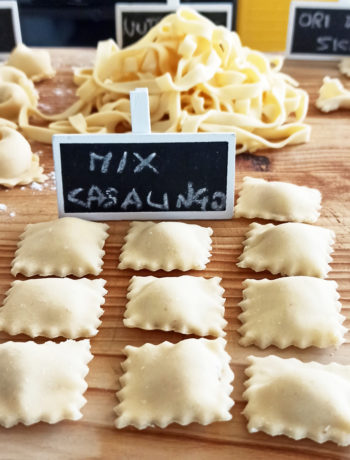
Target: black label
7	33
136	24
148	177
322	31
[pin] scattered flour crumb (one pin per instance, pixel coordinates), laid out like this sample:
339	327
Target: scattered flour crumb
39	152
44	107
36	186
12	214
3	207
23	188
58	91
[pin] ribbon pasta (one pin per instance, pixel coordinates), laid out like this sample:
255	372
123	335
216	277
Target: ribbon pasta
199	78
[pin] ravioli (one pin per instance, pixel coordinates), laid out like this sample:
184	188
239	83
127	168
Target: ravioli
42	382
35	63
299	400
53	307
12	99
296	310
61	247
9	74
278	201
166	246
18	165
186	304
175	383
290	249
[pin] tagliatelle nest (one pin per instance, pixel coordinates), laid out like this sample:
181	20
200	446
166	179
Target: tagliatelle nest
200	79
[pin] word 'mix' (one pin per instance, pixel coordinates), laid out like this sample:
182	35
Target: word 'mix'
133	199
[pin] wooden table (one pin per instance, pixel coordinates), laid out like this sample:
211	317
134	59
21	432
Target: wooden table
322	163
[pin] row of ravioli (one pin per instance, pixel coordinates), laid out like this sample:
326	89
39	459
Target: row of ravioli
287	396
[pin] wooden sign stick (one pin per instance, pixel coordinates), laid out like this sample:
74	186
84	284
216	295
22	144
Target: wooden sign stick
139	108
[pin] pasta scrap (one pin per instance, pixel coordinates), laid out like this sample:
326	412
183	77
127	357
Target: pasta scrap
299	400
175	383
344	66
333	95
200	79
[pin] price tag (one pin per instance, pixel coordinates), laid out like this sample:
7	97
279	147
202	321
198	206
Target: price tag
318	30
140	176
10	29
134	20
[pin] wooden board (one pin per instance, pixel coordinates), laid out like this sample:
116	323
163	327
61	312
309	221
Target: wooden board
322	163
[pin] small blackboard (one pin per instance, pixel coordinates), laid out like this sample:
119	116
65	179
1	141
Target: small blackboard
133	21
145	176
318	30
10	31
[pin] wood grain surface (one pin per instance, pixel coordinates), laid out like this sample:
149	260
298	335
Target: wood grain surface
322	163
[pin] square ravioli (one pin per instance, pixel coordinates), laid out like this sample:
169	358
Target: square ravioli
299	400
186	382
278	201
166	246
297	310
53	307
290	249
67	246
186	304
42	382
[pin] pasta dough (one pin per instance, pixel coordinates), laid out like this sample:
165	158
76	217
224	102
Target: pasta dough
18	165
175	383
53	307
289	249
344	66
278	201
35	63
42	382
10	74
7	123
333	95
166	246
12	99
186	304
297	310
299	400
199	78
67	246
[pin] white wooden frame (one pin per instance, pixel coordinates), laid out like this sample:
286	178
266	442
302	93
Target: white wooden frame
169	7
12	5
341	4
59	139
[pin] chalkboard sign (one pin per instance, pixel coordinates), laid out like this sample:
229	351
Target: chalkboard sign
10	31
145	176
319	31
133	21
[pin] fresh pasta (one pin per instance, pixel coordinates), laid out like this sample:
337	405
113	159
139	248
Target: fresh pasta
200	79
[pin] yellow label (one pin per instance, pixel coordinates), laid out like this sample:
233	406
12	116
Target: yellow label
263	24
